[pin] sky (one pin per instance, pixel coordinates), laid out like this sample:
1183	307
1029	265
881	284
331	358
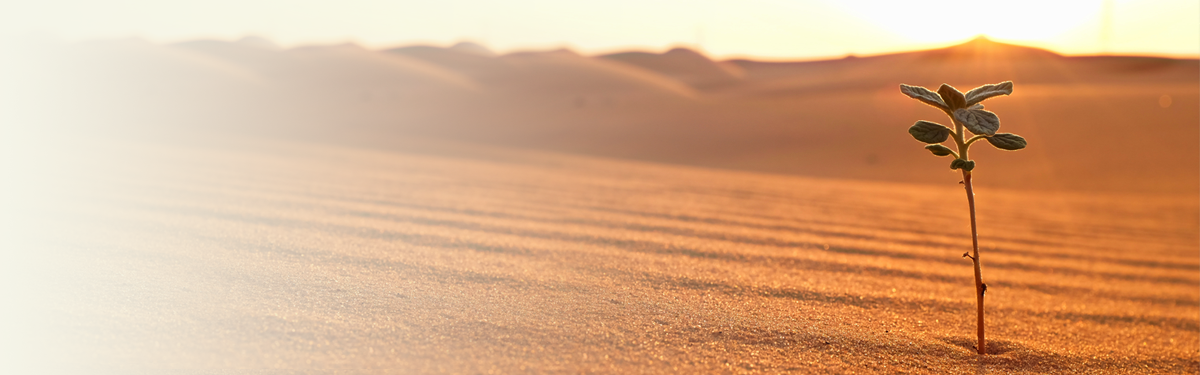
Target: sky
764	29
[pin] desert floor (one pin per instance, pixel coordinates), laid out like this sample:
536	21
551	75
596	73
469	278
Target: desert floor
240	256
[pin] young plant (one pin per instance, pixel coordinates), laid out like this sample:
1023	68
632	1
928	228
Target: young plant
965	112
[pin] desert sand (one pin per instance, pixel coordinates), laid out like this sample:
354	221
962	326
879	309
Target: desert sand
431	257
236	207
1095	123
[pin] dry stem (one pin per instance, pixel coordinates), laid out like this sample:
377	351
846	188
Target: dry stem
980	287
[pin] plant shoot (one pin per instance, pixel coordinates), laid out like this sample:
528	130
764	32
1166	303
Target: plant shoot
967	115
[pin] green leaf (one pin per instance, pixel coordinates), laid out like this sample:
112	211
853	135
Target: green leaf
978	121
1007	141
924	95
966	165
953	98
938	150
980	93
929	132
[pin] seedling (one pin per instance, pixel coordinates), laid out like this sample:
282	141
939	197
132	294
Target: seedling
965	112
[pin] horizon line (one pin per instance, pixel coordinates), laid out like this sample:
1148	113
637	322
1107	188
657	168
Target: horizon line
645	49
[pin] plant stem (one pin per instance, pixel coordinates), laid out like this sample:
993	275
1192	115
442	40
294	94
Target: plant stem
973	139
979	286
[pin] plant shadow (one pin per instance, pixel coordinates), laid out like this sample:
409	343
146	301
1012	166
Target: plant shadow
994	347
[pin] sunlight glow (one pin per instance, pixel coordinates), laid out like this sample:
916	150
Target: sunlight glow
772	29
946	20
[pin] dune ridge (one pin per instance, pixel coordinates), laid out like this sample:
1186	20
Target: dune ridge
1096	123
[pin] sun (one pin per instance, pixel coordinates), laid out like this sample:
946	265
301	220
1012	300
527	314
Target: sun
954	20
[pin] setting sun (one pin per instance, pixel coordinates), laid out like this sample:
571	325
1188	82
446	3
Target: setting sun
1069	26
946	20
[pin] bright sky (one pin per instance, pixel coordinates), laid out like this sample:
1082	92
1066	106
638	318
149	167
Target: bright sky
772	29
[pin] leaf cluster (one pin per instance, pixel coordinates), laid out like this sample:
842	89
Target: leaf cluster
966	112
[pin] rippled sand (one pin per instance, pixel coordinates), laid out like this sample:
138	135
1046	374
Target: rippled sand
130	257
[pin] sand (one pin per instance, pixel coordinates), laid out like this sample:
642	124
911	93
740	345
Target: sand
252	256
232	207
1124	124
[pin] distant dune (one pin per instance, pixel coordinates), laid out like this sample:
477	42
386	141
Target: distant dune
1099	123
685	65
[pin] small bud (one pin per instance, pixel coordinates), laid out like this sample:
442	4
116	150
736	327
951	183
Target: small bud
953	98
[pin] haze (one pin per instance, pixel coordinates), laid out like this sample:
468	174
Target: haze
762	28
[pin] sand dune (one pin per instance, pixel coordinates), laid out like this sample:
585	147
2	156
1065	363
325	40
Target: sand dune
556	73
351	66
683	64
1094	123
335	75
129	256
249	53
333	68
472	64
566	72
977	62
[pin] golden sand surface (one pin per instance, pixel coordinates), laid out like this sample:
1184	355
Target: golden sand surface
277	257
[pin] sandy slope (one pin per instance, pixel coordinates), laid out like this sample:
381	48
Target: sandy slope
1094	123
131	256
